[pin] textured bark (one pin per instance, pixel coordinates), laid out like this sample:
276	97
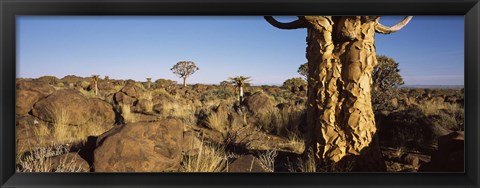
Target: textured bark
341	57
184	81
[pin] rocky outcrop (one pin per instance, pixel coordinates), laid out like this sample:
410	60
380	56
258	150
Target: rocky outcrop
141	147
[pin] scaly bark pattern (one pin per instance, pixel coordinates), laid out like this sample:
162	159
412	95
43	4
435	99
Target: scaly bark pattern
341	57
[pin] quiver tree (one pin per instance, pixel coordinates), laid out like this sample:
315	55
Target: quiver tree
184	69
341	57
239	82
95	83
386	80
149	82
303	70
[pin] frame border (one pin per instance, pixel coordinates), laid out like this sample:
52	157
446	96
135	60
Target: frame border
9	9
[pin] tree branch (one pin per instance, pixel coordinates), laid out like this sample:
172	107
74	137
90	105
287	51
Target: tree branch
379	28
297	24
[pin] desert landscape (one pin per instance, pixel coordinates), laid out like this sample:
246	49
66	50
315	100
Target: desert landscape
77	124
347	109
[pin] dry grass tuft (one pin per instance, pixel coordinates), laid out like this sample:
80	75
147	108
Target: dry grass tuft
61	132
218	122
39	160
184	112
268	159
296	141
432	107
306	164
280	122
210	158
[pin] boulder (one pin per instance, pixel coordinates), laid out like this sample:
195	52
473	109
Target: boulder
132	90
122	98
162	98
141	147
102	112
105	85
144	106
74	108
67	102
191	143
451	142
30	92
72	79
450	154
247	163
25	101
34	85
259	103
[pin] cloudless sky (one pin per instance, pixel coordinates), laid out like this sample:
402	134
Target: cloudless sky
430	49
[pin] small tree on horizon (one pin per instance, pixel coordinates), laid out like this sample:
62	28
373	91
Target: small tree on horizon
240	82
184	69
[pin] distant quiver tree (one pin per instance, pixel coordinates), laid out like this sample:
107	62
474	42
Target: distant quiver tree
149	83
184	69
95	83
239	82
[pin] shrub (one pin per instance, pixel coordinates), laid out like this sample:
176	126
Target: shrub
295	85
386	80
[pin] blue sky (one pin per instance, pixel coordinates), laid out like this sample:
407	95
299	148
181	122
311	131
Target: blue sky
430	49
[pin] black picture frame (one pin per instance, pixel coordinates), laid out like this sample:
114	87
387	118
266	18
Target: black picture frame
9	9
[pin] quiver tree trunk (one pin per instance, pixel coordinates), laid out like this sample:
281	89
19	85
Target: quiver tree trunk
341	57
185	81
95	84
240	95
149	83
